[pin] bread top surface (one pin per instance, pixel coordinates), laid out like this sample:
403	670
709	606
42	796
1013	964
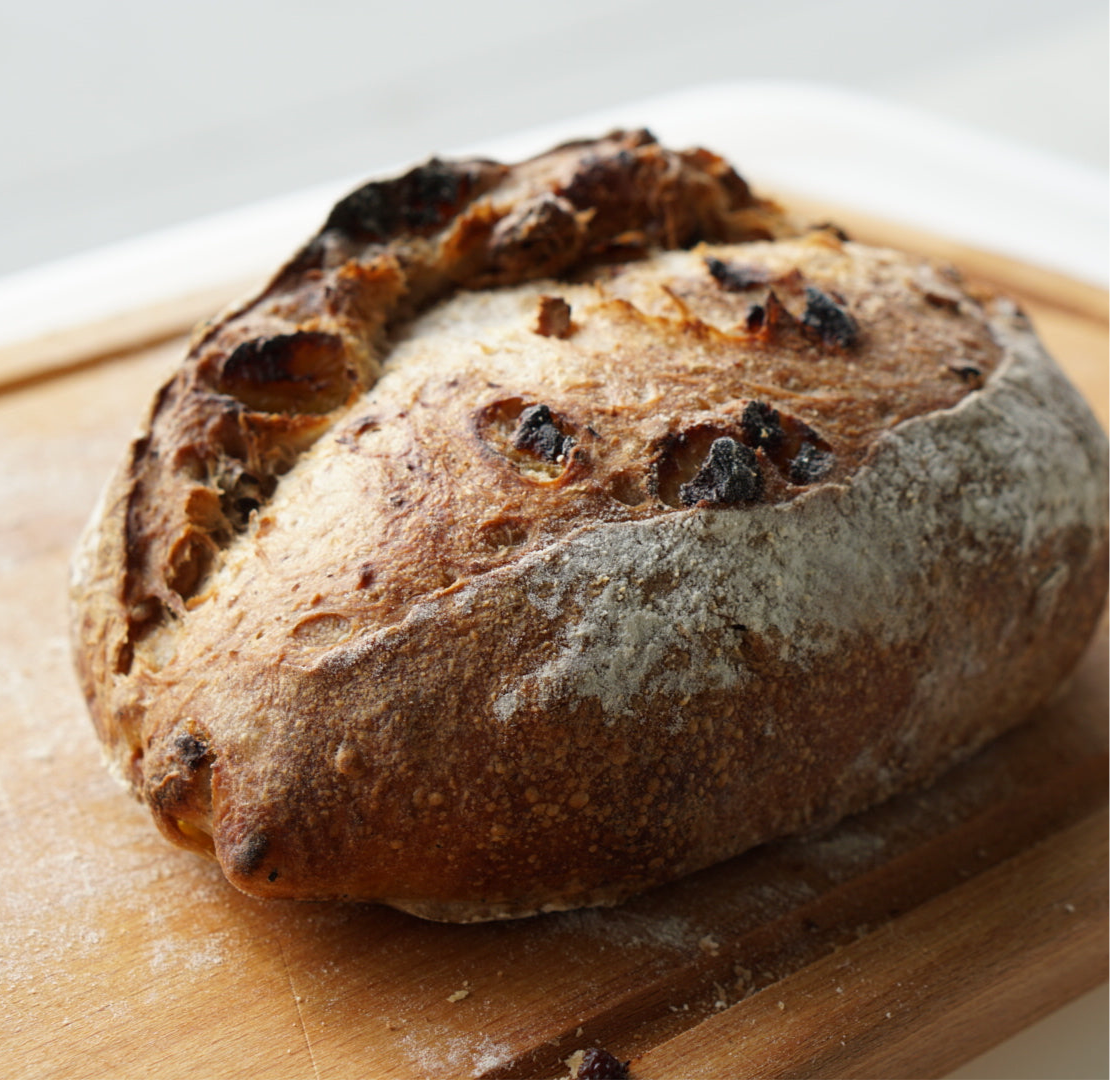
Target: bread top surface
434	475
268	378
422	488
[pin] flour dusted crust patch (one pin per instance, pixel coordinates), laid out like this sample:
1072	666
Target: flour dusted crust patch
543	533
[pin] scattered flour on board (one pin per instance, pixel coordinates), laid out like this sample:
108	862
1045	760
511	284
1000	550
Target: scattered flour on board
187	954
438	1052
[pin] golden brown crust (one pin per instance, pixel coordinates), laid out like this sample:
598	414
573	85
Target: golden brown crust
542	533
263	383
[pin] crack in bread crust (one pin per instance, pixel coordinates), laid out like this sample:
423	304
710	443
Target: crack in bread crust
543	532
266	381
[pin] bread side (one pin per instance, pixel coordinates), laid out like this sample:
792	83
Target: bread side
607	577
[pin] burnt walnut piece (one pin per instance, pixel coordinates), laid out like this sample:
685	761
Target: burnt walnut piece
413	589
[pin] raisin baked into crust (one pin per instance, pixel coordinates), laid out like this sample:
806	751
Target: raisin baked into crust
542	533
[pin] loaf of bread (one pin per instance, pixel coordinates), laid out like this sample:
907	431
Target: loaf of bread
543	533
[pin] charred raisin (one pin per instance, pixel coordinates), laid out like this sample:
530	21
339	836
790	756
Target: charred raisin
829	320
810	464
762	427
729	474
599	1063
735	278
538	434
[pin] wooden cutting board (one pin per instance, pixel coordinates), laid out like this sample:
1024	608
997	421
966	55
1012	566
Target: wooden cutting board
901	944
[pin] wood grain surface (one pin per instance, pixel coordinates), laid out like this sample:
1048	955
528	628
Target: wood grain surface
900	944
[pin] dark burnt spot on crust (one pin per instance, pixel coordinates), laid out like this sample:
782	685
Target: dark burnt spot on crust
735	278
421	201
246	857
599	1064
679	457
540	238
553	318
828	320
729	475
639	196
761	427
723	462
538	434
191	751
539	443
273	875
303	372
753	321
969	374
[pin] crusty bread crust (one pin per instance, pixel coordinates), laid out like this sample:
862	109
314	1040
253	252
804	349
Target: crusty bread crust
544	533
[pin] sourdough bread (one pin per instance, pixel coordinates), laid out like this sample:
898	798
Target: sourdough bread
543	533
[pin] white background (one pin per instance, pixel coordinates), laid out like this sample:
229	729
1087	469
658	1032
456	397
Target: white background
122	116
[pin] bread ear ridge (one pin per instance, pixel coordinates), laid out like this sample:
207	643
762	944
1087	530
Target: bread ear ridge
262	384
